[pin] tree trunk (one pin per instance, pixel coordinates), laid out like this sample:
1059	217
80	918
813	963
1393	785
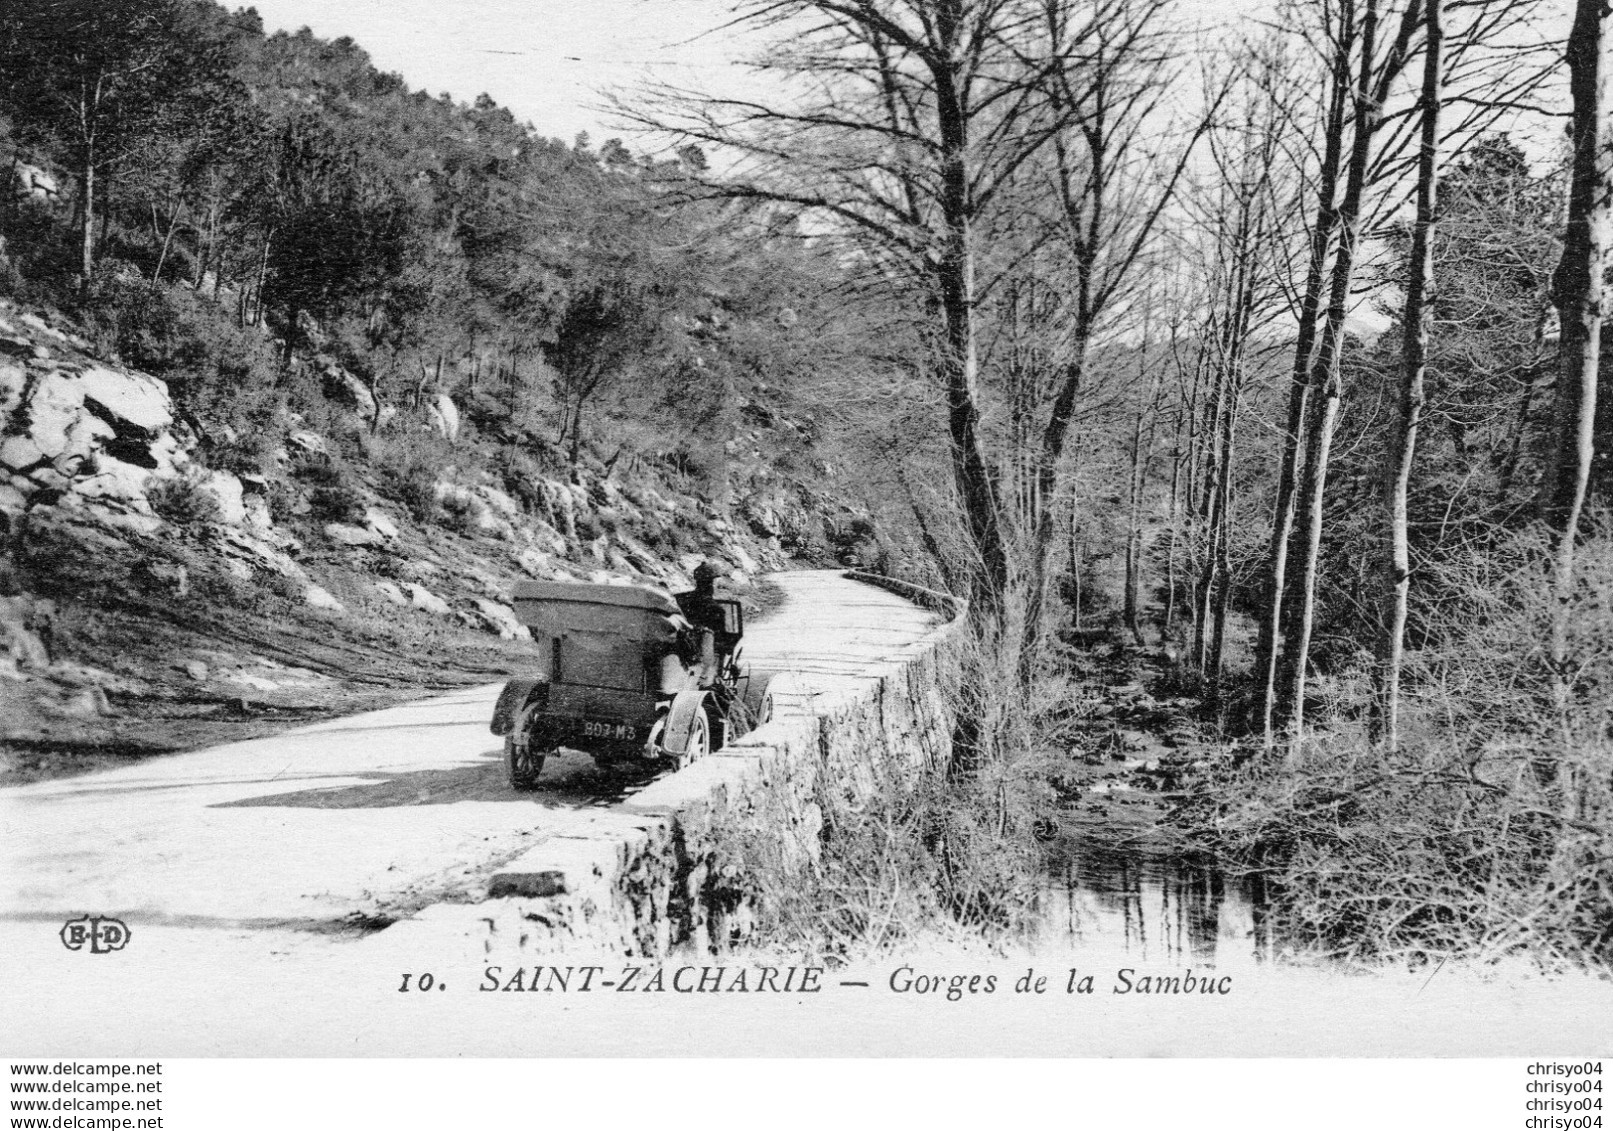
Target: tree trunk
1175	521
1577	289
1077	564
1134	533
1208	519
1266	649
1403	443
1326	376
1223	511
87	221
955	276
263	277
167	243
960	367
209	240
1577	285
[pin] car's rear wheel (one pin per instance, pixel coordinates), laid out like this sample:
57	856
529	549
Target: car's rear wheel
525	761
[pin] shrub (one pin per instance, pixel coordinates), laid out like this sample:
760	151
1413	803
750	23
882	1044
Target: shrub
340	502
1490	830
335	494
417	490
282	502
287	589
408	466
182	500
882	855
520	475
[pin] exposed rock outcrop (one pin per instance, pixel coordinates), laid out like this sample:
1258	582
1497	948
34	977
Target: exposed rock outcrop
86	445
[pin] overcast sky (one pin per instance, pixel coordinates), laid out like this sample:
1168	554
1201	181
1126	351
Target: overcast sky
548	60
544	59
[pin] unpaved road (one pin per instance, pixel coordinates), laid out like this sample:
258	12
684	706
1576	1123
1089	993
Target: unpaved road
371	816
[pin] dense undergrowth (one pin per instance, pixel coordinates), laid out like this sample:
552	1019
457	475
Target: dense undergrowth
911	854
1489	832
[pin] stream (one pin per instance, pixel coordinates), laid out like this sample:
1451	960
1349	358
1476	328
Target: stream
1150	905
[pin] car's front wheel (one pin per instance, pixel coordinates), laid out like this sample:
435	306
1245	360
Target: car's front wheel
699	744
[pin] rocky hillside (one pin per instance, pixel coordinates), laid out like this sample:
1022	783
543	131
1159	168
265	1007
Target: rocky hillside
151	602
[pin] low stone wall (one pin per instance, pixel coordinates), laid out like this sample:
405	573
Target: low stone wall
666	868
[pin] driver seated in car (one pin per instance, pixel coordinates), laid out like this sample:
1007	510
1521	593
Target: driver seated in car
696	663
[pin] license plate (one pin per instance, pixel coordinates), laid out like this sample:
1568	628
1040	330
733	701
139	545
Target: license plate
609	731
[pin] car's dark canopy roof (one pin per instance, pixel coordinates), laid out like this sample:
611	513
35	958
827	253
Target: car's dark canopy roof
645	597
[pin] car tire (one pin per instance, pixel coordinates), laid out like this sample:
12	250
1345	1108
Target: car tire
525	764
699	744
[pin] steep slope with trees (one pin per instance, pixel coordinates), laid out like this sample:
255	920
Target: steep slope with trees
1258	362
393	351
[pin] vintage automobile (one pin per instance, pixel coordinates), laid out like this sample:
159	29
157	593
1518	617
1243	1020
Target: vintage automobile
624	676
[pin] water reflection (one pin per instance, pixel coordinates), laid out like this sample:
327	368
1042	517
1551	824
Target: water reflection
1150	905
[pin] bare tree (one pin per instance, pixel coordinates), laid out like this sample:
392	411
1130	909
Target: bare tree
1144	431
1577	289
1339	27
1242	224
1111	183
1364	69
1414	368
900	123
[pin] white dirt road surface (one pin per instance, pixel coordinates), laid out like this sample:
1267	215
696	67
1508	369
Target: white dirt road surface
346	824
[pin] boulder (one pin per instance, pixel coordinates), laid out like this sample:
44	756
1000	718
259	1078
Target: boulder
227	492
309	442
474	506
172	576
499	501
13	380
31	180
443	415
21	453
344	388
548	537
345	535
500	618
21	648
12	500
90	703
320	598
108	478
129	521
54	407
378	521
390	590
128	399
533	562
263	550
97	432
258	515
40	326
425	600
